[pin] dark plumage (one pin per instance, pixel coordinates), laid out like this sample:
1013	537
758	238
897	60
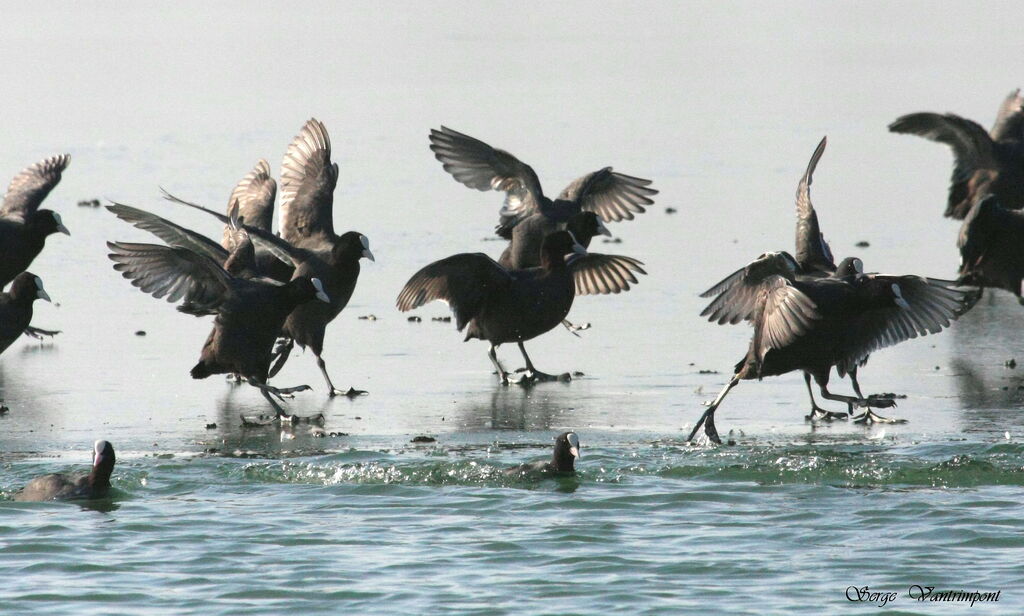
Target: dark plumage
16	307
254	196
307	237
986	162
82	486
813	324
612	196
500	305
524	249
563	460
23	226
250	311
991	246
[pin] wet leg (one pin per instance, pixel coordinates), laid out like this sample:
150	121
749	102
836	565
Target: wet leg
708	418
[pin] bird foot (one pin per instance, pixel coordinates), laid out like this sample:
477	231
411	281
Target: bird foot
869	417
535	376
880	401
234	378
351	393
317	419
573	329
818	414
38	333
284	392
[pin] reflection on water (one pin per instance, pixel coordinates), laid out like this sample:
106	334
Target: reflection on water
514	407
986	346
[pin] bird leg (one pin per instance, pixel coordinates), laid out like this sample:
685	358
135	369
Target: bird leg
331	391
281	351
269	392
708	418
816	411
502	375
532	374
872	401
877	400
38	333
574	328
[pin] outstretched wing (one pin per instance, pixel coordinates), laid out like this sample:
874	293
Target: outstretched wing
172	234
598	274
812	251
280	248
308	178
930	305
740	293
478	165
255	195
28	189
177	273
463	281
1010	120
785	314
612	196
973	149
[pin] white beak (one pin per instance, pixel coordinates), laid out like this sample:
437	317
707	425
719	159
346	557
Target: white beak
368	255
43	295
579	249
603	230
575	452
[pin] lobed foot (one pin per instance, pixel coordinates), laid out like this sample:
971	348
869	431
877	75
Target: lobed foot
39	333
534	376
819	414
573	329
869	417
351	393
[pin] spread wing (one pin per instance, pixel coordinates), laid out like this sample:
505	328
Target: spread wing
281	249
597	274
740	293
463	281
812	251
478	165
988	224
255	195
931	305
28	189
785	314
1010	121
973	149
612	196
174	272
308	178
172	234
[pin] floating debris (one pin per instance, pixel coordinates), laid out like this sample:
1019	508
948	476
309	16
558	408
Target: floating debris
614	240
4	410
337	433
1010	363
423	439
577	373
211	426
862	244
442	319
140	332
414	319
89	203
317	432
671	210
708	372
368	317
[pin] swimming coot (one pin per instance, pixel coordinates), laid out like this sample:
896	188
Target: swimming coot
58	486
563	460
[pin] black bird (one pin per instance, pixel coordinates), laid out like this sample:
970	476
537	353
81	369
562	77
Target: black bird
991	246
16	307
308	178
254	196
58	486
524	249
249	311
23	226
813	259
500	305
813	324
563	461
528	216
986	162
